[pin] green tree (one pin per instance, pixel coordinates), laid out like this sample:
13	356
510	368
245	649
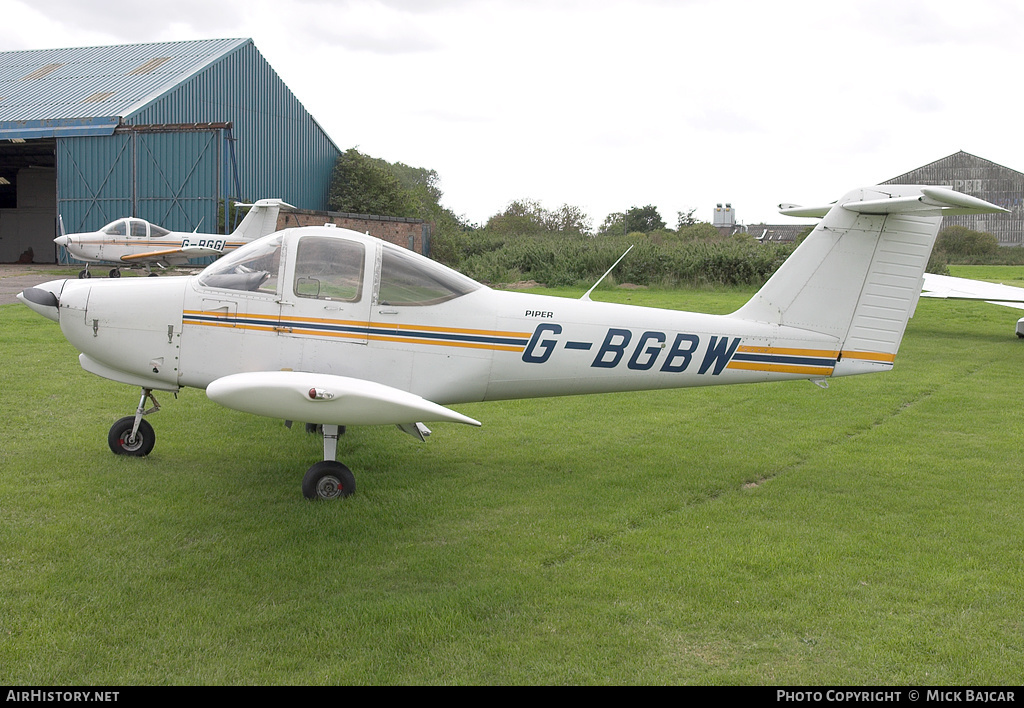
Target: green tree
529	217
363	185
613	225
685	218
645	219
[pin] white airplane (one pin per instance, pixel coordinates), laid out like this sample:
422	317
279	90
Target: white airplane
130	241
334	328
948	287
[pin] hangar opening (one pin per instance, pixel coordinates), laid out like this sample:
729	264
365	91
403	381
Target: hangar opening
28	199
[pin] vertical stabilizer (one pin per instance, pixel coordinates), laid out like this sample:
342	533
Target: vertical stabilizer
857	277
261	219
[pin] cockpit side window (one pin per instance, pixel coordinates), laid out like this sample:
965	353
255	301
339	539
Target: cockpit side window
254	267
138	228
157	231
329	268
409	279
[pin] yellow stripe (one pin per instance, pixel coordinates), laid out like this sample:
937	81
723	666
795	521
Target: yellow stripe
398	328
779	368
870	356
409	339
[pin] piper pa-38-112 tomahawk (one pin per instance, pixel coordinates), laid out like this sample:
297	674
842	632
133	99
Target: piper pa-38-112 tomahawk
136	242
334	328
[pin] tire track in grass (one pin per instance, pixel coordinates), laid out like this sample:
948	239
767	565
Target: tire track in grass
922	396
597	540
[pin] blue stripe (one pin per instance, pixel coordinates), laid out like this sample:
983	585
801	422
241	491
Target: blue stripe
782	359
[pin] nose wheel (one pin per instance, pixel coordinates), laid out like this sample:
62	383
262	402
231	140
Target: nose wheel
133	435
125	440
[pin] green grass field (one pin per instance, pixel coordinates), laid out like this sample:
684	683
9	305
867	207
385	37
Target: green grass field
767	534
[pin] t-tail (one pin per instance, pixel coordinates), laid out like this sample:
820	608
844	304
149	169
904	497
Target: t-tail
858	276
261	219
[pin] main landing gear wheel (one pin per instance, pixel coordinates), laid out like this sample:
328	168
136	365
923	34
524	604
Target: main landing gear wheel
122	443
328	480
115	273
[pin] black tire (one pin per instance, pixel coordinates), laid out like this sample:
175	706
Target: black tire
115	273
120	432
328	480
84	274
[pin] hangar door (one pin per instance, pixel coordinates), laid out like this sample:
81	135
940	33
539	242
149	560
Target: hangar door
173	176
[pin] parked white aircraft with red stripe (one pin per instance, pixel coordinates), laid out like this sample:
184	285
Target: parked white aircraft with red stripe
335	328
131	242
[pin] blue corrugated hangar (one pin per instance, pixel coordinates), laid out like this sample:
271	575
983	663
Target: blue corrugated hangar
166	132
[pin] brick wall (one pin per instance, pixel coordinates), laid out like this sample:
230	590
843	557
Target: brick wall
407	233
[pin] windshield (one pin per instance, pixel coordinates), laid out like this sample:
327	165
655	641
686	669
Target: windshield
116	228
253	267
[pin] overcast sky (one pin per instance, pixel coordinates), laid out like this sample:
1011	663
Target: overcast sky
608	104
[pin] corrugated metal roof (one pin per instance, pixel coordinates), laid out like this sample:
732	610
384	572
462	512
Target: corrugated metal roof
87	90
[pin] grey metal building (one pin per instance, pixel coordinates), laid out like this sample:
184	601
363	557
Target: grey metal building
980	178
166	132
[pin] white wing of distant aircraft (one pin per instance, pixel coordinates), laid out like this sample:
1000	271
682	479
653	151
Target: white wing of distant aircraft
336	328
948	287
132	242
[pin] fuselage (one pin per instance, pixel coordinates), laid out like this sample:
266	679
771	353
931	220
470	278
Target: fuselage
332	301
136	241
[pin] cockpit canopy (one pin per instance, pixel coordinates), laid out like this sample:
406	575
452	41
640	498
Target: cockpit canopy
134	228
339	265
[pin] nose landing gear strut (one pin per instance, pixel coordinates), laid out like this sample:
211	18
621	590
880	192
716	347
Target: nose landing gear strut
133	435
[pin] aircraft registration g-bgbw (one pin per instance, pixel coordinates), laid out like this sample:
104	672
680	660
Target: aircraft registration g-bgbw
132	242
330	327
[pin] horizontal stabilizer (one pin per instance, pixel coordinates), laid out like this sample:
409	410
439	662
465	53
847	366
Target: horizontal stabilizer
326	399
807	212
926	201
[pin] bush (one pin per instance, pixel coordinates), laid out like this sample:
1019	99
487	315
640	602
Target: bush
656	259
960	241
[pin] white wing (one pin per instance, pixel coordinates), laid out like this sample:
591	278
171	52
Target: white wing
948	287
326	399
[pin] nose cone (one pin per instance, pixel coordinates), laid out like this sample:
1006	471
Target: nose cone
64	241
44	299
